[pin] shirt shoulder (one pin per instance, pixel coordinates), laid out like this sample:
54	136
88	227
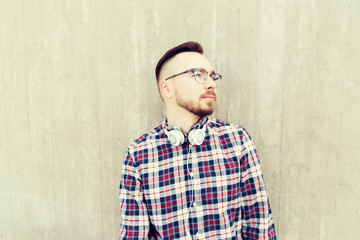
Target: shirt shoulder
144	141
223	128
231	137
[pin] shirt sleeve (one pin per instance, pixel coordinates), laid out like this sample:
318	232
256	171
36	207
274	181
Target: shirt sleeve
257	220
135	222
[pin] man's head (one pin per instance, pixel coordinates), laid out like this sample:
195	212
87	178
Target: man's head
186	80
185	47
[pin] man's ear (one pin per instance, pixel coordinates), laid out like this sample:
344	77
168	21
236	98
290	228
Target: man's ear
165	89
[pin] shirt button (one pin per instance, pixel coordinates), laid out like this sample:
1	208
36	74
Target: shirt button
194	204
200	235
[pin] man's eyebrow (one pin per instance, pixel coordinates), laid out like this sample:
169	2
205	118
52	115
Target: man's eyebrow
212	72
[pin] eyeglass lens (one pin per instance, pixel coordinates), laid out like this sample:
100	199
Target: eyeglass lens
201	76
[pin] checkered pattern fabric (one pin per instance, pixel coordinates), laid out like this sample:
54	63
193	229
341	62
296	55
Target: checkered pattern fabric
212	191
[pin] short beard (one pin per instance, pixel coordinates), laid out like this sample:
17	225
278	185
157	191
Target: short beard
189	106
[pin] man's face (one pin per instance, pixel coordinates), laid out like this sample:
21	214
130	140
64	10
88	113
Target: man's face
188	94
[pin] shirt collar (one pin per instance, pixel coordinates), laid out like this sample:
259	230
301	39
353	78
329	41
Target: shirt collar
199	124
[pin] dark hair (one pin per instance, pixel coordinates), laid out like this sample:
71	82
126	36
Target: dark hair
185	47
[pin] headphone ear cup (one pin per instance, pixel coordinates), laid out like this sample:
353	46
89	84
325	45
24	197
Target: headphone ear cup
197	136
176	137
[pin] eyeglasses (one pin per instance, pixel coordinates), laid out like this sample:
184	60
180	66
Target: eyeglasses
201	75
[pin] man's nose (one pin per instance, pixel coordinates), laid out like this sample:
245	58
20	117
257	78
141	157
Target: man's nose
210	83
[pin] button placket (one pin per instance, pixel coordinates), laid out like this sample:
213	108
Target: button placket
195	179
197	201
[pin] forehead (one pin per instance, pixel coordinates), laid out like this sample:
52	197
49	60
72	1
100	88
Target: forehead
184	61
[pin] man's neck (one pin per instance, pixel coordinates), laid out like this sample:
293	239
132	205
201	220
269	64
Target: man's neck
183	119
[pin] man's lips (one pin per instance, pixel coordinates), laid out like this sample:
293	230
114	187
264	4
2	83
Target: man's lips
209	95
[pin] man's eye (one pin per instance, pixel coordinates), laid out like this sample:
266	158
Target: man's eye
198	74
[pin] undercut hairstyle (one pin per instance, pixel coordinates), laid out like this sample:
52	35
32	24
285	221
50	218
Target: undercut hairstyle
185	47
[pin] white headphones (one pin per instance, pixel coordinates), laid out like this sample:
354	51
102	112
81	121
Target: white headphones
177	137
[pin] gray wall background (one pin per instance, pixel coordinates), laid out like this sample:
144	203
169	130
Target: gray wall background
77	86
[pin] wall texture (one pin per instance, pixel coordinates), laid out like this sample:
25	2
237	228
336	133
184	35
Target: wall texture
77	85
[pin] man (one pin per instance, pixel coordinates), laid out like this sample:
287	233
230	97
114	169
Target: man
193	176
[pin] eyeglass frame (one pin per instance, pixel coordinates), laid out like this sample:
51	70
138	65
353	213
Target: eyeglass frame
197	69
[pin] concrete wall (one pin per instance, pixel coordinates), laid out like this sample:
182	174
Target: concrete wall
77	85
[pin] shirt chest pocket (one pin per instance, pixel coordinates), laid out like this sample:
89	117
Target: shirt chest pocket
227	177
165	187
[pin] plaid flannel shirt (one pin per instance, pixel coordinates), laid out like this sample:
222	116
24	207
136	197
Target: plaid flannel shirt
212	191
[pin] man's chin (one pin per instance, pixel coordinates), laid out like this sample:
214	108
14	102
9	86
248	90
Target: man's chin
204	112
201	111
